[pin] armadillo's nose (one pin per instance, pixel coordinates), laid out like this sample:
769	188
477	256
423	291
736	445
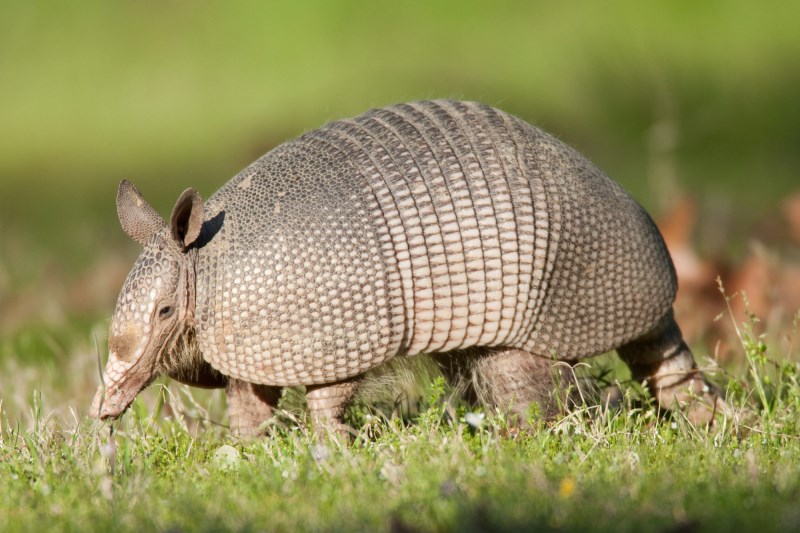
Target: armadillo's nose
98	404
123	381
104	405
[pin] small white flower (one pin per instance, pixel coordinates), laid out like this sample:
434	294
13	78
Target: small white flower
226	458
320	453
109	450
474	419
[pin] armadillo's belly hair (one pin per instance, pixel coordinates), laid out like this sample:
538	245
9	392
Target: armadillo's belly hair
423	227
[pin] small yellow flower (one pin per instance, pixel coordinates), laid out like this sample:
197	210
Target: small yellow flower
566	488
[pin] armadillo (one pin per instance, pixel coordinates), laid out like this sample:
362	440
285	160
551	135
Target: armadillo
440	227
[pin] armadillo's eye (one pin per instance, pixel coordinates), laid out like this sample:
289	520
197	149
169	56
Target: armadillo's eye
165	312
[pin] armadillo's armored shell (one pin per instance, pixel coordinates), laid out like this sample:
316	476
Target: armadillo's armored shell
416	228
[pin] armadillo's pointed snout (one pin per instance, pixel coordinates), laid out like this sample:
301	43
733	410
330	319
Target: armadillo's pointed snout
110	402
122	383
98	408
104	409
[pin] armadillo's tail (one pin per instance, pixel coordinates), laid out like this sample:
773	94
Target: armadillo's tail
662	360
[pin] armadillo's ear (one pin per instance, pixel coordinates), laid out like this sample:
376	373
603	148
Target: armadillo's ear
187	218
138	219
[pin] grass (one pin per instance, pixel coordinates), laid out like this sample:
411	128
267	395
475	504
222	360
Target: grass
433	466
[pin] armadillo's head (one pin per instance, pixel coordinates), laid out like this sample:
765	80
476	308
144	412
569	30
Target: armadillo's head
155	310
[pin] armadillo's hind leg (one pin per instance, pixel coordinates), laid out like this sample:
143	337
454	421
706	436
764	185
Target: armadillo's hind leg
663	361
326	404
250	406
511	378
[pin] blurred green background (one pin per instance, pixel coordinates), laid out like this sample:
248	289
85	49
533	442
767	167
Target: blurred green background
666	97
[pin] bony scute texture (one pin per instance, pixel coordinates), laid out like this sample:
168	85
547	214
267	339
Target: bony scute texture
422	227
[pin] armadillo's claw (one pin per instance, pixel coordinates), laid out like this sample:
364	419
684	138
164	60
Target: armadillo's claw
702	403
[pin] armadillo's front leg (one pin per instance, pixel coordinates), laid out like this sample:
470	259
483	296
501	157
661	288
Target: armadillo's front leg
326	404
664	362
249	406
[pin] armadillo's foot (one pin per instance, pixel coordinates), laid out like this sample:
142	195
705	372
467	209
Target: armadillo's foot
326	404
663	361
698	399
250	406
511	378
